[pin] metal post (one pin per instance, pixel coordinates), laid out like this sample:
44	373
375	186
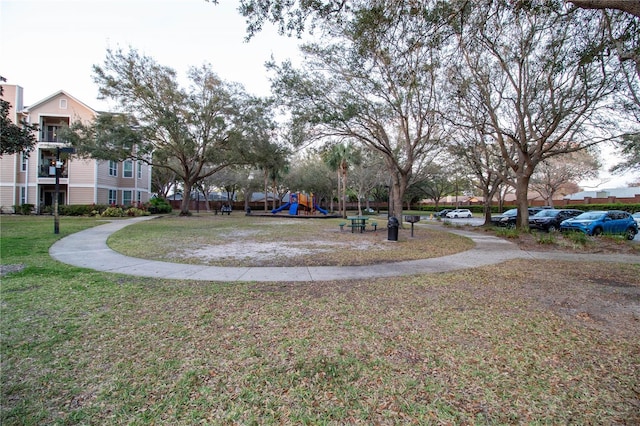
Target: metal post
388	200
56	215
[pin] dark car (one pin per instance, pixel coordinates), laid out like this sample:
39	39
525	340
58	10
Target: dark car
549	219
443	213
508	218
612	222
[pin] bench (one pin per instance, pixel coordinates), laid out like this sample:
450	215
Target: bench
375	225
357	226
341	225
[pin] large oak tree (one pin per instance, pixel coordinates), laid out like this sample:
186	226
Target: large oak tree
193	132
374	82
532	71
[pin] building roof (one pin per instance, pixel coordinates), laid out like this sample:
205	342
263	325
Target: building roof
50	97
605	193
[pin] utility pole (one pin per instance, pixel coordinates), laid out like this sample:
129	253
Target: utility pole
56	213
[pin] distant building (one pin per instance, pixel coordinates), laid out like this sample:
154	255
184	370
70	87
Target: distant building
631	192
31	179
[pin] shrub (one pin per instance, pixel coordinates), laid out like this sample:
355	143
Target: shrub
24	209
507	232
75	210
46	210
610	206
577	238
135	212
113	212
616	239
98	209
546	238
159	205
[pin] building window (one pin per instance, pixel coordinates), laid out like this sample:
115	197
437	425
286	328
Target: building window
23	195
63	104
139	197
25	157
127	169
126	198
51	133
113	168
112	197
139	170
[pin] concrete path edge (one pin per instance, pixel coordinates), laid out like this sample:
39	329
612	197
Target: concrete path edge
89	249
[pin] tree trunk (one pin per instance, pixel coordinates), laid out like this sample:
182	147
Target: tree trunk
488	202
274	195
266	187
396	202
486	208
186	199
522	197
247	196
339	189
344	193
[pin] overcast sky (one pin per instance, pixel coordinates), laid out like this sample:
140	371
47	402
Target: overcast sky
51	45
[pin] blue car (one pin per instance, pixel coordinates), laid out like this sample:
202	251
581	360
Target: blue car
612	222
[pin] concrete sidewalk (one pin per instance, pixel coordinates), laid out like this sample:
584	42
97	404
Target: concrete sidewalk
88	249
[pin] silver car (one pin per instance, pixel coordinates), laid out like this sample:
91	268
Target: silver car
454	214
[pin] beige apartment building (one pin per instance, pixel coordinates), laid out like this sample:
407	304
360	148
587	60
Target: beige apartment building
30	179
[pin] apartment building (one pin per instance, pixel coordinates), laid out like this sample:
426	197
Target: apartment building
30	178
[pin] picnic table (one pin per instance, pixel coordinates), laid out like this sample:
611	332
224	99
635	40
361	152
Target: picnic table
358	222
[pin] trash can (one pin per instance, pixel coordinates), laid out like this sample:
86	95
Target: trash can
392	229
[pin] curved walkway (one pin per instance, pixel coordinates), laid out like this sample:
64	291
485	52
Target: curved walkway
88	249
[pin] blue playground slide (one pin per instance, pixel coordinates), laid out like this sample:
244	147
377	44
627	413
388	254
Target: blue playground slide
293	210
321	210
282	207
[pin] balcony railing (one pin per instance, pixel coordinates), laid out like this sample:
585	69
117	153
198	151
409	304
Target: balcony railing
49	171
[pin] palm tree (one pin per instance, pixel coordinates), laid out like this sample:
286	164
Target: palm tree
339	158
272	160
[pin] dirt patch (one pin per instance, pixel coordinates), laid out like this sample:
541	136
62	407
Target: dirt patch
7	269
589	294
264	252
255	242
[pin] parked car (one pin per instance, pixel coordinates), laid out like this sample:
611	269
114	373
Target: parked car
636	217
549	219
508	219
613	222
454	214
495	219
443	213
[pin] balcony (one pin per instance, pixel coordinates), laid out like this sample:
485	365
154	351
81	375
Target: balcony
47	164
50	127
49	171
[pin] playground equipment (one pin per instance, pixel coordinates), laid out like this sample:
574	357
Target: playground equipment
298	201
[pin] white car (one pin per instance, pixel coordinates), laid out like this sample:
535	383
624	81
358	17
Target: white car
454	214
636	217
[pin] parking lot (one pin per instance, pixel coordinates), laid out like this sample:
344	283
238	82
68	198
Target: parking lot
477	221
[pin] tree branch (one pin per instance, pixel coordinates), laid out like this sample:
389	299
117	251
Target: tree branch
628	6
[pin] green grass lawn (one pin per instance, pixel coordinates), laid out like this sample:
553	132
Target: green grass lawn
524	342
